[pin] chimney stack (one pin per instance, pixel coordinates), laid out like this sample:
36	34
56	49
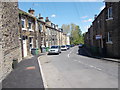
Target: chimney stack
47	19
56	26
95	16
41	18
31	11
48	22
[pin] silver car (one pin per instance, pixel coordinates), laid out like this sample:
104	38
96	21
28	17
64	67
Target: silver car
54	50
63	48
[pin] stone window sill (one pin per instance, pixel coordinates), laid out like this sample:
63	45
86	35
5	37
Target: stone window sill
110	42
24	29
31	30
109	19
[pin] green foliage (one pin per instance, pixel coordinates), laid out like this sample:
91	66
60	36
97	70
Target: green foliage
76	36
66	28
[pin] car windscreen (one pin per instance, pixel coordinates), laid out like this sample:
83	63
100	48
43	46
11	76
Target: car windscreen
63	46
67	45
54	46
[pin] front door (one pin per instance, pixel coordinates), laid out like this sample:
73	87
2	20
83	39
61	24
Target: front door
24	48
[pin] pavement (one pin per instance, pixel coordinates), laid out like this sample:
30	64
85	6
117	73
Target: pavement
71	69
26	75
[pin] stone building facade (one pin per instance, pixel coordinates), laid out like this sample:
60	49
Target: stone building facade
113	29
10	48
67	40
37	33
40	31
27	32
105	31
99	36
55	35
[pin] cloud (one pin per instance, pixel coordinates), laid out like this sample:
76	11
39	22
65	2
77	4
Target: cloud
53	15
101	8
89	20
84	17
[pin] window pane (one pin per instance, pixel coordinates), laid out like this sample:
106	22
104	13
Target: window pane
29	25
23	24
110	12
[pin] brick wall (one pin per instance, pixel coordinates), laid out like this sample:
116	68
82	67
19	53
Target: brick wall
9	30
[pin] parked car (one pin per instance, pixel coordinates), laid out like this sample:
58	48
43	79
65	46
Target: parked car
68	46
71	45
54	50
63	48
81	45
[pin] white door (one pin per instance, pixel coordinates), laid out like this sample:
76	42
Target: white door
24	48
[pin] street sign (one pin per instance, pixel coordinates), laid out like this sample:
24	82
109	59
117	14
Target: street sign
98	37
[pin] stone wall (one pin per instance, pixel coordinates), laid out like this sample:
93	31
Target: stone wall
101	26
113	27
9	41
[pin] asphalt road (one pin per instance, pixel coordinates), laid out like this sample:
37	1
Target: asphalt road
70	70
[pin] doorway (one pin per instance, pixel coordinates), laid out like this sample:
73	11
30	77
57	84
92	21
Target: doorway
24	46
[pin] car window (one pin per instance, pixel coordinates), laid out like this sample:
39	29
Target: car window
63	46
54	46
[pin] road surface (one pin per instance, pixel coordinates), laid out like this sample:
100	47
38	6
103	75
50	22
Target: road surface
70	70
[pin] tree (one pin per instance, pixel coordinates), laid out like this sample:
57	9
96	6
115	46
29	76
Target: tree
76	36
66	28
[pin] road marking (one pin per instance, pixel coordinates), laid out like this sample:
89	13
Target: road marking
75	60
71	52
98	68
68	55
42	74
89	65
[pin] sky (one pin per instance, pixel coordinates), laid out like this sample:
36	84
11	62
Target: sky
80	13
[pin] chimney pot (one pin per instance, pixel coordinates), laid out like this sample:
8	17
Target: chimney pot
47	19
31	11
95	16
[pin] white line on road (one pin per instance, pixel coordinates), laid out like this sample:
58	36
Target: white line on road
89	65
68	55
75	60
95	67
43	77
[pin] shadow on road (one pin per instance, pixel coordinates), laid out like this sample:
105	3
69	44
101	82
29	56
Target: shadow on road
84	52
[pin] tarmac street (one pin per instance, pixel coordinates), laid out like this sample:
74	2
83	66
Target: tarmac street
71	70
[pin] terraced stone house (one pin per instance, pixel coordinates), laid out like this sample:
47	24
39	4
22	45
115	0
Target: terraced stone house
27	31
104	33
